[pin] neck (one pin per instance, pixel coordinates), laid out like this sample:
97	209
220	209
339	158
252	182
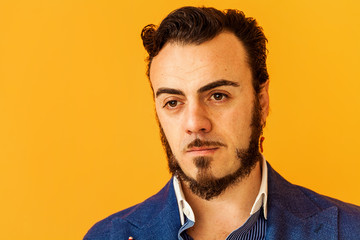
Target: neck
229	210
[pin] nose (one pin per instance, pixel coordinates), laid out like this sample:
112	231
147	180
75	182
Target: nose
197	119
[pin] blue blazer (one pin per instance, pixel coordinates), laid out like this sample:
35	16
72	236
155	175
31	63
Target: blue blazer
294	212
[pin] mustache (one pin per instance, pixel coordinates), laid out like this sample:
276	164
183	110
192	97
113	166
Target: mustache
200	143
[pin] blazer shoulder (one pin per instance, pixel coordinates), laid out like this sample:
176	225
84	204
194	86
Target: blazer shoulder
348	214
289	194
102	229
130	217
286	199
323	201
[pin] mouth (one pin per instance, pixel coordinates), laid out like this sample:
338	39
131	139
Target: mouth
202	150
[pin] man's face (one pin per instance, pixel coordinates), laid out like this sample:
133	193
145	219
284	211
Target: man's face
208	111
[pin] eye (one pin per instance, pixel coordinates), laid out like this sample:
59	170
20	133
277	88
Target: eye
171	104
219	96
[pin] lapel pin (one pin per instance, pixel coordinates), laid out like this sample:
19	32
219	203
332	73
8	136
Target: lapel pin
130	238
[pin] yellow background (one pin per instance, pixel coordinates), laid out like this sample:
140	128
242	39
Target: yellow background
78	139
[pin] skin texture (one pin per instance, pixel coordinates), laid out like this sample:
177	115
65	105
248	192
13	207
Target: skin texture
204	94
206	185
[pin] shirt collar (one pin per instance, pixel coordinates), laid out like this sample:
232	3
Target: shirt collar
261	198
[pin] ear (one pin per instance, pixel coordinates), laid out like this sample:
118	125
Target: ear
264	101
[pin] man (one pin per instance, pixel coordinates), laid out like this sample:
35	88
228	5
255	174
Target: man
208	73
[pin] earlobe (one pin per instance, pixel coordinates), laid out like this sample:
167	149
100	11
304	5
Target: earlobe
264	101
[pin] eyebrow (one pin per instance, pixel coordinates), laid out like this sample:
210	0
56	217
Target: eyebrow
169	91
205	88
216	84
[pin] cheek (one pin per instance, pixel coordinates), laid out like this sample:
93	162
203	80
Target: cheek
170	130
235	125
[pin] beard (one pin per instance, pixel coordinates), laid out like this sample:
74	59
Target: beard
207	186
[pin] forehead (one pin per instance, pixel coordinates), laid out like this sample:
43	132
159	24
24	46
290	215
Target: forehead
179	65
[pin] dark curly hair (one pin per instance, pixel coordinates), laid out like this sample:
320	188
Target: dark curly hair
195	25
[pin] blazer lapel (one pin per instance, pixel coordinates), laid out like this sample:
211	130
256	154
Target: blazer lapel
294	215
156	218
163	226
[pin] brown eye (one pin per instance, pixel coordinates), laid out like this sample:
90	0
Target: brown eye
218	96
171	104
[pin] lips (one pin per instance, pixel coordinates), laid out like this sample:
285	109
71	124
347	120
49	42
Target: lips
201	147
202	150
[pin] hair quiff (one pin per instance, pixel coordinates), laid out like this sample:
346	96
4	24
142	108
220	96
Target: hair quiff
195	25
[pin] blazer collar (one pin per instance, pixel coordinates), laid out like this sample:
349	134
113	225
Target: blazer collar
292	214
157	216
